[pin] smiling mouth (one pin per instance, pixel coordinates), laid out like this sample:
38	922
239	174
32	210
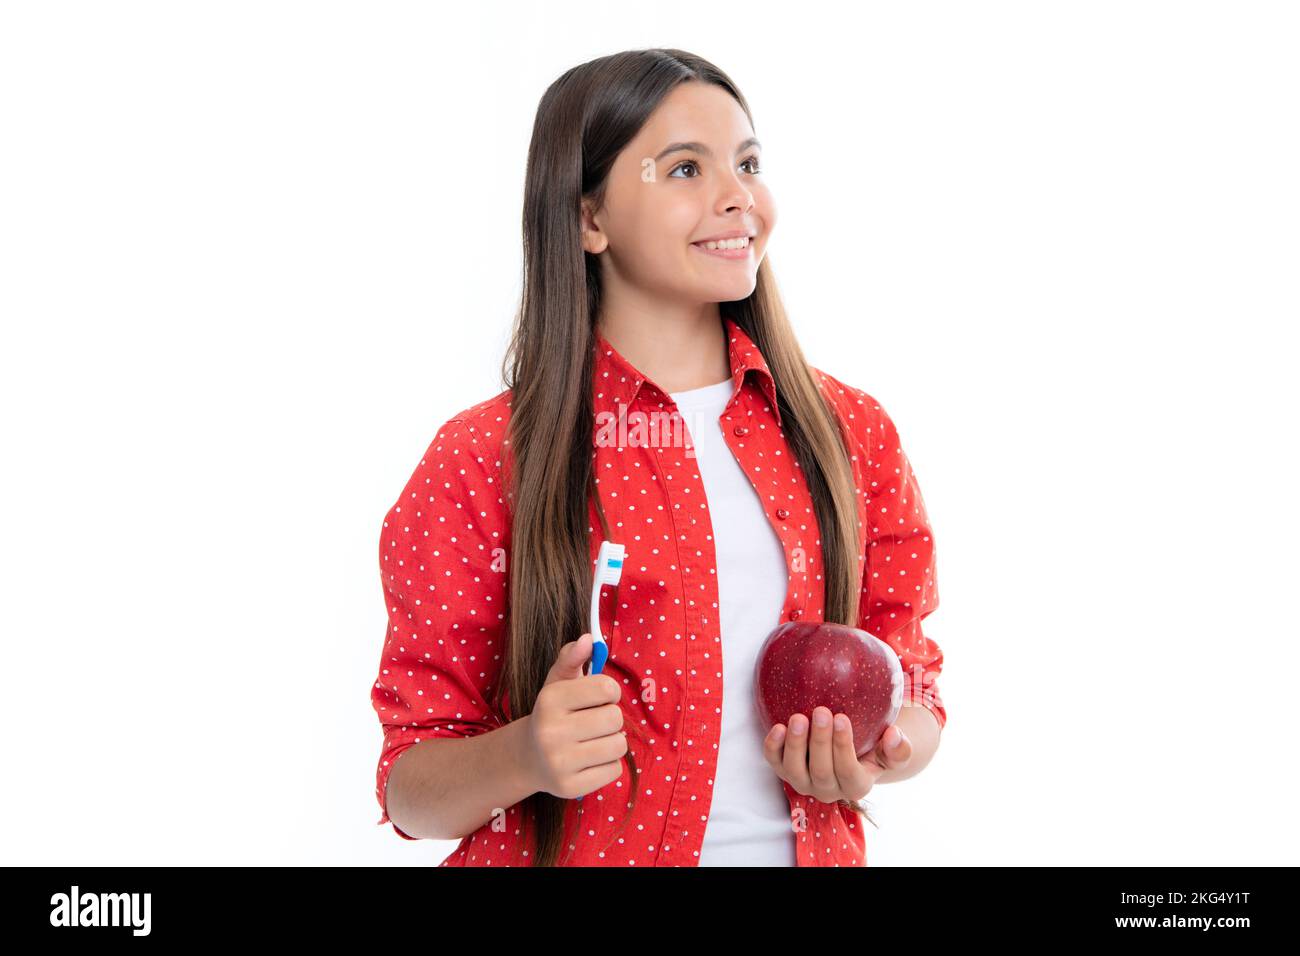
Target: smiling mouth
737	244
738	254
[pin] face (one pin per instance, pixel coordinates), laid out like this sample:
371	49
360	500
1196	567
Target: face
691	173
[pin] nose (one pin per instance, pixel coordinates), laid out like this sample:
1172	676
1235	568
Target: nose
741	201
736	197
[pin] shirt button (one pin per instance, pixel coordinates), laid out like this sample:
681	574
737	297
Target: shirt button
794	614
741	430
782	513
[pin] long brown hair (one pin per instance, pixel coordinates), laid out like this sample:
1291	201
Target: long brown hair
583	122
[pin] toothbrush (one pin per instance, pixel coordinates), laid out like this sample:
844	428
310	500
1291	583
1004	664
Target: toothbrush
609	570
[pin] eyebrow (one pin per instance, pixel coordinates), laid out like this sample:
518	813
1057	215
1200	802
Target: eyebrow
702	149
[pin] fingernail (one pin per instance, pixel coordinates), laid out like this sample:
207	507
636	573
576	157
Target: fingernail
821	719
841	722
797	724
898	739
779	734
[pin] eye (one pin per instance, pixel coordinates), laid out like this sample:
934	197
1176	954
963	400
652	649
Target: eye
751	161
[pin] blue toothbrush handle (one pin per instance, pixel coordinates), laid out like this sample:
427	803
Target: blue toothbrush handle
599	654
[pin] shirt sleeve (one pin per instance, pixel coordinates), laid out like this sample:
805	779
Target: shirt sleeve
900	588
442	560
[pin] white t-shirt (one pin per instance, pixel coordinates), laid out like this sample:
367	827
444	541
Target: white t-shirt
749	817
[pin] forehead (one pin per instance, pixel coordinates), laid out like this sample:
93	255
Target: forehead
696	112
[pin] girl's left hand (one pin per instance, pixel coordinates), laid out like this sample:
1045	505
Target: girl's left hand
824	764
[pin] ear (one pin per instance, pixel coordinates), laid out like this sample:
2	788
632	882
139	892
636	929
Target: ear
594	239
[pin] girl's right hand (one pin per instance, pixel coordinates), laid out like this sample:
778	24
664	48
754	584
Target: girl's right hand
575	741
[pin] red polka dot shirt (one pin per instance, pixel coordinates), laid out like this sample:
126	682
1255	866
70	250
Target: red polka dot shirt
445	543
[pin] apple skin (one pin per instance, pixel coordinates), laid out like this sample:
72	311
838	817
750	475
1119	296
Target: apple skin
807	664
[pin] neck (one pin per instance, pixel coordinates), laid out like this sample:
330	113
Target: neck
676	351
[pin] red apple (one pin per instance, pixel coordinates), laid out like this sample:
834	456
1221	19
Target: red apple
807	664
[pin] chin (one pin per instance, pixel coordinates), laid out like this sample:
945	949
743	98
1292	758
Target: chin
730	291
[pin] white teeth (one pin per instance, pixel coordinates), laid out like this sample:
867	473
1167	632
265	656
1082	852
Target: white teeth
739	243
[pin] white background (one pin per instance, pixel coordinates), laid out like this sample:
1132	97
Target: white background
253	254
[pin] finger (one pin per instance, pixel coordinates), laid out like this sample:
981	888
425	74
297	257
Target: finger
598	752
597	776
854	781
568	664
592	723
593	690
795	757
821	761
772	747
896	749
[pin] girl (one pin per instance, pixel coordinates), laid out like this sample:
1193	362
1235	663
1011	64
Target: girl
646	301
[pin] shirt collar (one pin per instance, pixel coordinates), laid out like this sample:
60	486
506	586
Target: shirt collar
616	381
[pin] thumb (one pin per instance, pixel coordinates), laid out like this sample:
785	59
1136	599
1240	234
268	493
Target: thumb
573	656
896	747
